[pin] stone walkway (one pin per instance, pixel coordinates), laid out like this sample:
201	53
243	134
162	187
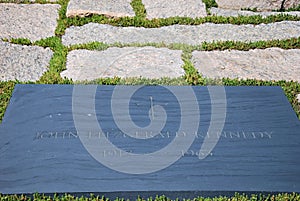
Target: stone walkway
150	61
191	35
31	21
268	64
39	21
23	62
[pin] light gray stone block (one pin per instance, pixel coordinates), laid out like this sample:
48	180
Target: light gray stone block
23	63
236	13
147	62
192	35
261	5
116	8
290	3
31	21
298	98
21	1
181	8
261	64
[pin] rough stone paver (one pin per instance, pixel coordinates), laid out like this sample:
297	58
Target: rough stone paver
20	1
23	63
116	8
147	62
236	13
31	21
261	5
181	8
192	35
268	64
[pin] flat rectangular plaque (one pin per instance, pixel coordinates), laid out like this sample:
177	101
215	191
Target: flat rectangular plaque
78	139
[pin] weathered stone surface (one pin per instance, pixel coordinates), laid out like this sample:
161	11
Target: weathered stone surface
23	63
268	64
116	8
32	21
290	3
192	35
236	13
147	62
261	5
181	8
21	1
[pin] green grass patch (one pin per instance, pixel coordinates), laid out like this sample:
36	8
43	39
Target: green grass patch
136	81
90	46
92	197
103	46
62	22
155	23
210	3
162	81
21	41
250	9
139	8
293	43
6	89
57	62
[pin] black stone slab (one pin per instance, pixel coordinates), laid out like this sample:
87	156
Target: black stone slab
41	150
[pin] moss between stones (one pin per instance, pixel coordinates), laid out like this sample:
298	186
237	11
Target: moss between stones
92	197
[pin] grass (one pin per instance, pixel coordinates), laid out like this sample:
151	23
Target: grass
250	9
155	23
6	89
139	9
92	197
210	3
292	43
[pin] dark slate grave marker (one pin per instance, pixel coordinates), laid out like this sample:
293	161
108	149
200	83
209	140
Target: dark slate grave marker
137	140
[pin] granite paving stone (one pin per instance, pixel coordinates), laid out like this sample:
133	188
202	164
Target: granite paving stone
261	64
192	35
31	21
147	62
236	13
116	8
23	63
260	5
181	8
21	1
